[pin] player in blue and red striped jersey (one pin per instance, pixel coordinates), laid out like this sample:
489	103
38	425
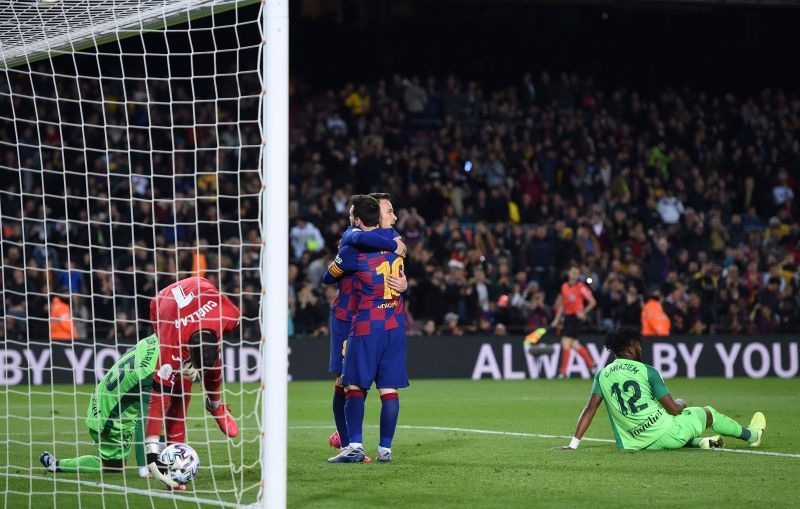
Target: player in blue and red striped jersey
375	350
344	306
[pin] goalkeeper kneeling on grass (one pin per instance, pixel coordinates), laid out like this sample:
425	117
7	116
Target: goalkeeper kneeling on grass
642	412
190	318
116	411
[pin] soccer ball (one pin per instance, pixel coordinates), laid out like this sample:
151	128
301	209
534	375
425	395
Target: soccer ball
182	462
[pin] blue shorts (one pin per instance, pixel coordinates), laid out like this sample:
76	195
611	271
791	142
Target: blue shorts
379	358
340	329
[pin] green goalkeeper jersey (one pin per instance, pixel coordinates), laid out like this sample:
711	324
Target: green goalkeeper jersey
631	391
123	392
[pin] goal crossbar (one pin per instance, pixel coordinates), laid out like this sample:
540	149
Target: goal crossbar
73	24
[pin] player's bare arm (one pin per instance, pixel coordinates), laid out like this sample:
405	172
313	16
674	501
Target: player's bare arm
591	303
557	305
584	421
672	406
401	250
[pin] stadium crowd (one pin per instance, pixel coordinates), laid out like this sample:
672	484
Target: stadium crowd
497	193
115	188
680	196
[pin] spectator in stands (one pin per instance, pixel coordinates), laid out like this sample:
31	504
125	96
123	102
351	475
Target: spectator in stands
586	171
415	97
782	194
655	321
539	314
450	326
670	208
676	308
311	313
734	321
15	304
304	236
71	279
632	309
61	327
695	315
124	328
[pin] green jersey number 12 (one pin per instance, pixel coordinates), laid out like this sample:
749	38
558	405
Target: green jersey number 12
625	406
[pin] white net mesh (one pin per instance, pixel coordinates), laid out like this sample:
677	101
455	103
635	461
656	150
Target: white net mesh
129	158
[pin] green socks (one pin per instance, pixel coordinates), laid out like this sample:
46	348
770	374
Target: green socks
726	426
82	464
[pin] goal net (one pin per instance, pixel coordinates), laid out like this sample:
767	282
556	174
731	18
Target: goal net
130	157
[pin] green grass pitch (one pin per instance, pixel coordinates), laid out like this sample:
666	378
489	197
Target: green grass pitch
459	466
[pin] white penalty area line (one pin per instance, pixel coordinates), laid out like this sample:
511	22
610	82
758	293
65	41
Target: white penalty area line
537	435
134	491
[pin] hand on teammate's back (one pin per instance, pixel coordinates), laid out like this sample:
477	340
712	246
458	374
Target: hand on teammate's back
397	283
401	248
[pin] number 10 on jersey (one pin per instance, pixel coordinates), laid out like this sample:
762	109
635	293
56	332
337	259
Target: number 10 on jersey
384	269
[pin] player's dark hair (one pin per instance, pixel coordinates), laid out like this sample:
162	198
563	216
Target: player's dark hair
204	349
366	208
381	196
618	341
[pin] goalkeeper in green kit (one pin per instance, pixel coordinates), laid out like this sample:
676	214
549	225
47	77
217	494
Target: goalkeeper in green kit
642	412
116	410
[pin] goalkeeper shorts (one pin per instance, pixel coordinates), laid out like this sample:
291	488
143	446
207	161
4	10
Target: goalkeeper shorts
113	446
690	424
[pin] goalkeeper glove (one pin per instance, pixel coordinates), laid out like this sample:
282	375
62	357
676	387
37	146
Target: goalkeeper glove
190	373
157	469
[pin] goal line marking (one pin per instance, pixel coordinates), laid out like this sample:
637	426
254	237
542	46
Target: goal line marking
537	435
134	491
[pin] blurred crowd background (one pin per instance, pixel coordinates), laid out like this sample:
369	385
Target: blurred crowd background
499	189
121	174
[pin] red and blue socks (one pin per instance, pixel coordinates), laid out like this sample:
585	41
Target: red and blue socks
354	415
338	414
390	410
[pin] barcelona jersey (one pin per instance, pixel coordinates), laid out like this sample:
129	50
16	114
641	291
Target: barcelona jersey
345	305
378	307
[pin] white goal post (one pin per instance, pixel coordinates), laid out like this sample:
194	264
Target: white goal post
141	141
275	200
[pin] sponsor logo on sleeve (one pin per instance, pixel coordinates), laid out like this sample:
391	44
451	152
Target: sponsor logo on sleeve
165	372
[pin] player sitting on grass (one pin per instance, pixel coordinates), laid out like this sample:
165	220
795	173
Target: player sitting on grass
344	306
642	412
115	413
